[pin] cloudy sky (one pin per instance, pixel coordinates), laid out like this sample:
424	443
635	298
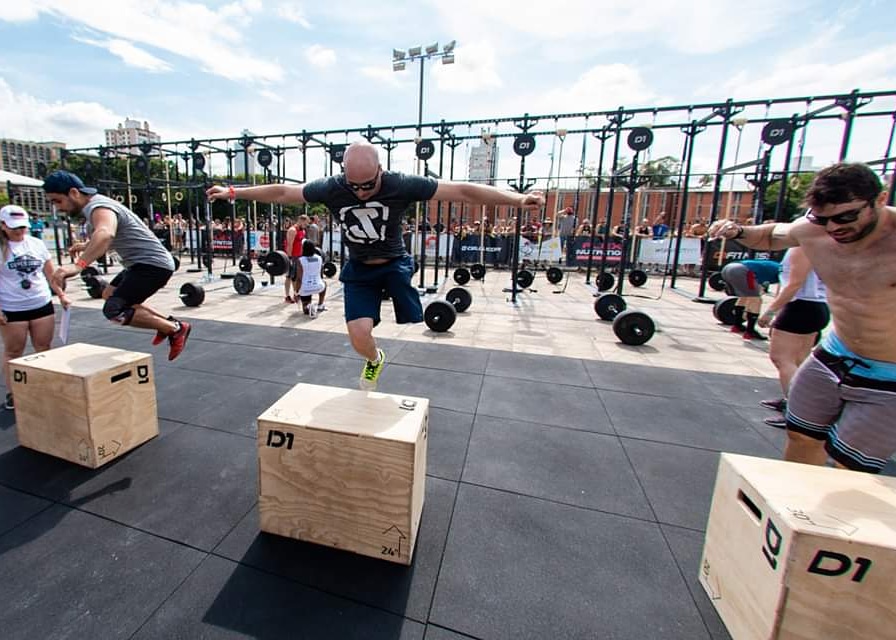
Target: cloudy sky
200	68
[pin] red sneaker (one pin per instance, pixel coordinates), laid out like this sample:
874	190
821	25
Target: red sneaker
178	341
159	338
735	328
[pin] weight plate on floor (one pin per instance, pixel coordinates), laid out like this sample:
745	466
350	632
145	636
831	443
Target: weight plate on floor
329	269
244	283
524	278
277	263
245	264
461	275
555	275
723	310
605	281
637	278
716	281
633	327
460	298
192	295
477	271
95	286
439	315
89	272
609	305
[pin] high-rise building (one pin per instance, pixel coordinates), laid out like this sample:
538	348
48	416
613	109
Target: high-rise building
132	134
240	157
483	165
29	159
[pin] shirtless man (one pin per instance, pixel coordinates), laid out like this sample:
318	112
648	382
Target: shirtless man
842	400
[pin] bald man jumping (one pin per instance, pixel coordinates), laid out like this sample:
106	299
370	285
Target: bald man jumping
370	204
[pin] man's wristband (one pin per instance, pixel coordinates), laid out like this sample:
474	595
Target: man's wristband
80	264
740	232
231	193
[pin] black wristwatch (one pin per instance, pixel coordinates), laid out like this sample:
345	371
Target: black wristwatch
740	232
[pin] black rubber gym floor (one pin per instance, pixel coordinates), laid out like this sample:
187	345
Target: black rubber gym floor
564	499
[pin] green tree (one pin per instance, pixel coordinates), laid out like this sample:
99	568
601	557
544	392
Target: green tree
797	185
660	172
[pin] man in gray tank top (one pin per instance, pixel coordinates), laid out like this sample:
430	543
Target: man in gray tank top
147	264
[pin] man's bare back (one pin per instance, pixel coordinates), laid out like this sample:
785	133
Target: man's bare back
861	282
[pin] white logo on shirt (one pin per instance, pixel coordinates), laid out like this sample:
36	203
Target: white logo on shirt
365	224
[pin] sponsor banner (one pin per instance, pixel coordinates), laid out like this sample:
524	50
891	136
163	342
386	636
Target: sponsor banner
657	251
735	252
579	248
545	251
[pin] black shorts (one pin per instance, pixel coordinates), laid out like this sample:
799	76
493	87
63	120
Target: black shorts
804	317
138	282
293	268
31	314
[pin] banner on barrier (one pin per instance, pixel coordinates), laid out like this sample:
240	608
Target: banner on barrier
734	252
657	251
579	248
545	251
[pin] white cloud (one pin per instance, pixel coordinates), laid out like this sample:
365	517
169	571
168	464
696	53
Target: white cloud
320	56
214	39
30	118
293	13
600	88
129	54
21	11
699	26
818	74
272	96
383	74
474	69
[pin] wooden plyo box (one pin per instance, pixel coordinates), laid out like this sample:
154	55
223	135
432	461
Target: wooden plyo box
345	469
801	552
84	403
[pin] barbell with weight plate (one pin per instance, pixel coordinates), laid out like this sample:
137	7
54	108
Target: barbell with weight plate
723	310
477	271
637	277
461	275
716	281
95	286
634	327
89	272
609	305
244	283
554	275
176	262
329	269
277	263
245	264
525	278
605	281
440	315
192	295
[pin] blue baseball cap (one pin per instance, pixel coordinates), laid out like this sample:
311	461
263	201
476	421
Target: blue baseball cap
64	181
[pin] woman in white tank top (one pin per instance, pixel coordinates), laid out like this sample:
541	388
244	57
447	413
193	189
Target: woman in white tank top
797	316
311	282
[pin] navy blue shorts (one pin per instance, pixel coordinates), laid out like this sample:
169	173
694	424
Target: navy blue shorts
363	286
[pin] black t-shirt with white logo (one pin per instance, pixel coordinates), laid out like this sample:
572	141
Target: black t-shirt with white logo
372	229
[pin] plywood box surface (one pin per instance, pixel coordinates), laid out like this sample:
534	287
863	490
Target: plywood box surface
84	403
344	468
801	552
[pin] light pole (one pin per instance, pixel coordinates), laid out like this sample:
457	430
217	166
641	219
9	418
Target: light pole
400	58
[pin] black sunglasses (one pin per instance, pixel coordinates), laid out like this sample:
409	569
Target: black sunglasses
363	186
841	218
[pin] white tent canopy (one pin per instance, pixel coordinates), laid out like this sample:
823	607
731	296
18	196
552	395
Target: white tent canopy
17	180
